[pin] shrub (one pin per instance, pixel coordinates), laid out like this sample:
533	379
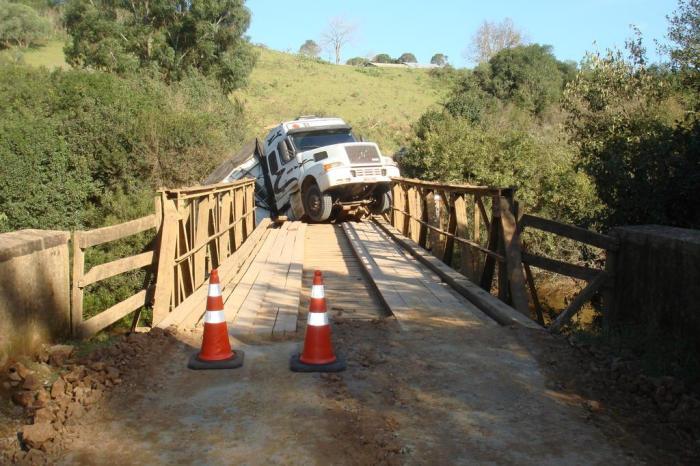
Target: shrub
21	25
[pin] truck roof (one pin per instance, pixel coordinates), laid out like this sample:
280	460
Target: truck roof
313	123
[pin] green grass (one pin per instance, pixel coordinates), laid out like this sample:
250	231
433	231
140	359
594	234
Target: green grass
49	55
379	103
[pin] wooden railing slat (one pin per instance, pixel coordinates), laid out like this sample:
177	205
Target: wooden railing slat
109	316
110	269
115	232
560	267
570	231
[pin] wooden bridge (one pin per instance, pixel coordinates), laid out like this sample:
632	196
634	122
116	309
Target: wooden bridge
457	248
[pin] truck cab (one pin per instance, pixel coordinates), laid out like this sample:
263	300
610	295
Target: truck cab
316	168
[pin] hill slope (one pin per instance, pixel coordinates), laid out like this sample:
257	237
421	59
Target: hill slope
379	103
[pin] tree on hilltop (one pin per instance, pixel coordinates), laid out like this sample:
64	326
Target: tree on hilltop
439	59
166	37
492	37
310	49
383	58
407	57
337	35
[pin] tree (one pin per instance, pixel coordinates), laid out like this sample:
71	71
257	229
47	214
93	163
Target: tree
439	59
684	32
173	39
407	57
357	61
337	35
21	25
310	49
492	37
383	58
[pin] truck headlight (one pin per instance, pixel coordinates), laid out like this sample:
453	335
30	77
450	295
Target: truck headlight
330	166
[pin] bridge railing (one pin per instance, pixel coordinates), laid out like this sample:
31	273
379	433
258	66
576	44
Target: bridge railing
487	224
197	229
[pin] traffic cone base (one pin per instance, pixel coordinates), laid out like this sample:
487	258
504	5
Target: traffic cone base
338	365
235	361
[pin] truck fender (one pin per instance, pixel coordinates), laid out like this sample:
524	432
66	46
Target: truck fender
297	205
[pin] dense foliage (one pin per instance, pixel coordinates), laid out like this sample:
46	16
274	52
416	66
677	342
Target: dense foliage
310	48
21	25
407	57
85	149
439	59
170	38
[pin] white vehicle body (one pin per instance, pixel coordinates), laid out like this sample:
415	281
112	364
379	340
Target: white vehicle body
313	167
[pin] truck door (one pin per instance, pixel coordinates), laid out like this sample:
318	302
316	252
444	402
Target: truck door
288	180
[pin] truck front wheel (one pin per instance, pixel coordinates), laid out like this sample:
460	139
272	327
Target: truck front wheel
381	202
318	206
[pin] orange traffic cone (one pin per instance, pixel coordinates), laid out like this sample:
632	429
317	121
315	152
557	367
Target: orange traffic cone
216	349
317	355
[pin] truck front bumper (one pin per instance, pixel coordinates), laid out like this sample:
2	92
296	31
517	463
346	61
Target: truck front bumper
358	175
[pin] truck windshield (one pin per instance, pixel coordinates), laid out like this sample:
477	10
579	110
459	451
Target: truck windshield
316	139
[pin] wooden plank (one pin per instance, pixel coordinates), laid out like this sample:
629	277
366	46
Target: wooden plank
110	269
580	299
533	293
249	209
451	229
482	212
196	191
557	266
238	213
570	231
466	255
115	232
484	301
494	240
165	278
452	187
514	262
76	308
113	314
226	202
201	234
414	211
288	311
193	307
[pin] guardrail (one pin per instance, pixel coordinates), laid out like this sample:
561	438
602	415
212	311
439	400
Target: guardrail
197	229
438	215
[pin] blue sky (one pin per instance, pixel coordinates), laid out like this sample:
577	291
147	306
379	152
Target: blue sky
426	27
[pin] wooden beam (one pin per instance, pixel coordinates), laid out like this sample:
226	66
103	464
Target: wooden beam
113	314
165	278
201	233
451	187
115	232
514	262
573	232
580	299
451	229
533	293
494	240
119	266
557	266
238	214
76	308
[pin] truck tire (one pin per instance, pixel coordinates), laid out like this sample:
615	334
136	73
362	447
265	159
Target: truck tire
382	202
318	206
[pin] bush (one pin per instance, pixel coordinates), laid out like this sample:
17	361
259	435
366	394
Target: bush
84	149
21	25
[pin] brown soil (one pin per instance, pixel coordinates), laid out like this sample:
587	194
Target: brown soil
429	391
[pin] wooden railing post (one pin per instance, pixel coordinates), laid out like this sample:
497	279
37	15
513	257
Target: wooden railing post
451	229
494	226
76	308
513	255
165	278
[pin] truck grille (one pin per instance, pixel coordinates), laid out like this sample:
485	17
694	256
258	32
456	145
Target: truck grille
362	154
368	171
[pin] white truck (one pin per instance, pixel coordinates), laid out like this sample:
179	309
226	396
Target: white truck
313	168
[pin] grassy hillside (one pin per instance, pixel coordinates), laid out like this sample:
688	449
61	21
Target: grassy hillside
379	103
50	55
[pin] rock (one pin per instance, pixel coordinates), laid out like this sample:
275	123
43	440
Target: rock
58	388
23	398
36	435
73	413
42	399
58	354
80	394
98	366
43	415
75	374
17	372
31	382
594	406
35	457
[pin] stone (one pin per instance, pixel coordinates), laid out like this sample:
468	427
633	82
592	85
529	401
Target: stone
75	374
594	406
98	366
58	388
113	373
73	413
18	371
42	399
31	382
23	398
43	415
58	354
35	457
36	435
